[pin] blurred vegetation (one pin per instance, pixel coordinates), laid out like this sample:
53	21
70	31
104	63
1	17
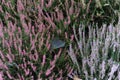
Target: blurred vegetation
86	12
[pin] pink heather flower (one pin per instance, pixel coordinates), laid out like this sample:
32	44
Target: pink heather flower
59	31
1	76
9	75
3	42
12	26
15	43
31	57
41	42
1	9
71	70
7	15
40	14
31	38
33	67
40	27
72	37
66	35
3	1
35	57
1	30
20	6
39	75
10	35
42	3
48	46
52	62
48	72
25	65
59	52
8	4
52	67
2	56
9	58
20	77
43	61
29	25
27	71
22	66
24	25
1	64
50	21
68	21
52	77
60	15
33	44
26	28
19	30
33	30
19	49
48	38
49	3
60	78
23	52
47	42
71	10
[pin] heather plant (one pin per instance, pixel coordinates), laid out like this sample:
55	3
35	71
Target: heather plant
37	37
25	35
98	56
